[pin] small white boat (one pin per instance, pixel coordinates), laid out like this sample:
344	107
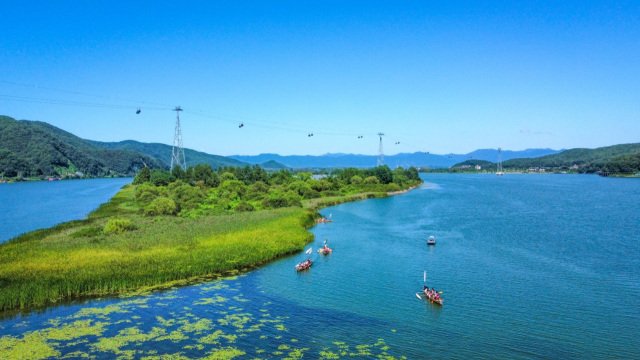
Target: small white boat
308	251
431	241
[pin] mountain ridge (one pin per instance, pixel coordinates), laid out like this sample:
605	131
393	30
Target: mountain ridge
417	159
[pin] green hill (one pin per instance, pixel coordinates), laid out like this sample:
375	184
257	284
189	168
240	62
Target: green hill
163	152
587	160
34	148
273	165
625	164
473	162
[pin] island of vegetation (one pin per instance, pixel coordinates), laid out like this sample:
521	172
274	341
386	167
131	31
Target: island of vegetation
181	226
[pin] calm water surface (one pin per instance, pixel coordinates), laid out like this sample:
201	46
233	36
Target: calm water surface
530	266
32	205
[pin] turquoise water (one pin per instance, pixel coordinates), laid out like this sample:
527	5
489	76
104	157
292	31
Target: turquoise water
530	266
32	205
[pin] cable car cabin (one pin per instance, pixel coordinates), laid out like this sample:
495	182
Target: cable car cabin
241	125
138	111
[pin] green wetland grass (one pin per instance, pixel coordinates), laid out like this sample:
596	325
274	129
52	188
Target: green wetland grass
180	226
74	259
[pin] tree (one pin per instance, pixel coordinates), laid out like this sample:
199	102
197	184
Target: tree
143	176
412	173
383	173
161	206
356	180
161	177
178	173
371	180
205	173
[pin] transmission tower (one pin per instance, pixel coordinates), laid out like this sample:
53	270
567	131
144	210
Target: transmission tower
380	152
499	172
177	154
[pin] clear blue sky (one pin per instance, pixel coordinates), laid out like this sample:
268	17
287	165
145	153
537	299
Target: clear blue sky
438	76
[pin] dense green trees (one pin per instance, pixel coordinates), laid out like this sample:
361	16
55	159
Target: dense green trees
625	164
33	148
203	191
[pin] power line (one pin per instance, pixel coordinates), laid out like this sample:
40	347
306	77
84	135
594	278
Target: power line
72	103
81	93
193	111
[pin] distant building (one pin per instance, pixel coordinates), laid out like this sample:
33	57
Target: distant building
318	177
534	169
78	173
478	167
464	166
574	167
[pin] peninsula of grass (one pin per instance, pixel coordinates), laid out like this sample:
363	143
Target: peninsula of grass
172	226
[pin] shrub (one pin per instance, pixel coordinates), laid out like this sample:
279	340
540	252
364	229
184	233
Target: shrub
143	176
227	176
319	185
371	180
187	197
244	206
118	226
146	192
356	180
393	187
229	188
161	206
274	202
309	193
161	177
329	193
257	190
293	199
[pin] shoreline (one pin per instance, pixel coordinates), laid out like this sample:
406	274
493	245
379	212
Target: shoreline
285	240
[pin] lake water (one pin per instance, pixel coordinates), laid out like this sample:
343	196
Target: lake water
530	266
32	205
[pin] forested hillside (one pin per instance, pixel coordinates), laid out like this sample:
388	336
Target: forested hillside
625	164
163	152
587	160
33	148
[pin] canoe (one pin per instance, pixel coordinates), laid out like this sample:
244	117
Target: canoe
323	252
433	299
303	266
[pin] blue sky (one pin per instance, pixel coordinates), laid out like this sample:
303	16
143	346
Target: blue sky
437	76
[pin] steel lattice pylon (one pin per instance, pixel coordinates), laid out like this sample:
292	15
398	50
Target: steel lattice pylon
500	171
177	153
380	151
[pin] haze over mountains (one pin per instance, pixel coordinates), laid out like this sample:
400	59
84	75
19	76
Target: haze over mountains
402	159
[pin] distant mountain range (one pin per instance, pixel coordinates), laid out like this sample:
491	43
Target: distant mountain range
418	159
34	148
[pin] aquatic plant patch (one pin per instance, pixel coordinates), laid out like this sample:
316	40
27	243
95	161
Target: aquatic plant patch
143	328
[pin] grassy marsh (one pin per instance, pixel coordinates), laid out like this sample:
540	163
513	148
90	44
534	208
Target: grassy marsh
47	265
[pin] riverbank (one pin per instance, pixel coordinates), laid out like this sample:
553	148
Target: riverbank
78	259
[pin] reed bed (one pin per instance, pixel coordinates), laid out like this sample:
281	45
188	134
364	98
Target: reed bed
48	265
